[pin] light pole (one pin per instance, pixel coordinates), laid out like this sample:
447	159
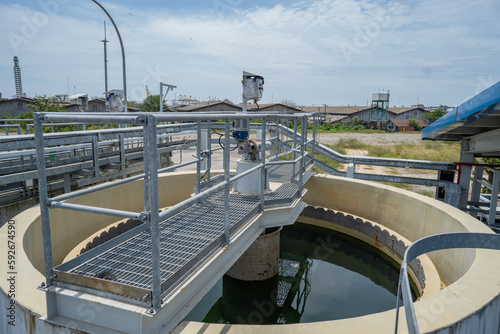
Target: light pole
125	109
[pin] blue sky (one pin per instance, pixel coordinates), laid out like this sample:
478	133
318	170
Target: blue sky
336	52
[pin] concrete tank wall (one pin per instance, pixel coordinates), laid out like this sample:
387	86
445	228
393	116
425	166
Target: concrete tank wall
466	304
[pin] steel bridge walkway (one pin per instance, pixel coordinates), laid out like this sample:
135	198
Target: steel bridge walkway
122	267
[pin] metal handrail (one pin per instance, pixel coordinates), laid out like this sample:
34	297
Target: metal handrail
150	215
429	244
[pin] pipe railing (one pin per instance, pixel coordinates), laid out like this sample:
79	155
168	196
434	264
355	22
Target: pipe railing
150	214
429	244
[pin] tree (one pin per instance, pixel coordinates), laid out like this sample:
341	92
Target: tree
289	103
355	121
43	104
414	124
434	115
152	104
40	104
60	97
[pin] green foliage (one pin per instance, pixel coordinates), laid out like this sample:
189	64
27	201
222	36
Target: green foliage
60	97
435	151
152	104
434	115
289	103
43	104
350	143
414	124
355	120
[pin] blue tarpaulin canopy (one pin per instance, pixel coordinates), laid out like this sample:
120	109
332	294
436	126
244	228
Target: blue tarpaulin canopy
479	114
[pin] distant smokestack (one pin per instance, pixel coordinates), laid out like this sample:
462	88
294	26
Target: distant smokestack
17	78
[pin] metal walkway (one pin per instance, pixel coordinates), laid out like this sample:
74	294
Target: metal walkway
149	277
185	239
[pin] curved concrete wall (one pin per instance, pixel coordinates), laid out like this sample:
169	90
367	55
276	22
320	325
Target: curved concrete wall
472	277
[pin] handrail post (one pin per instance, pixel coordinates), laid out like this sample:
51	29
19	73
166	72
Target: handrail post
44	213
303	135
198	157
263	161
313	148
227	167
154	213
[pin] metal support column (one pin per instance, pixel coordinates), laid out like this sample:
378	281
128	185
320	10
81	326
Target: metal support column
205	138
95	154
465	173
294	146
154	213
44	213
477	184
146	168
303	140
122	153
274	144
209	147
263	169
198	157
313	148
494	198
227	167
67	183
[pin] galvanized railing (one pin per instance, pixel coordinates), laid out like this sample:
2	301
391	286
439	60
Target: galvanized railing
484	194
452	190
150	214
429	244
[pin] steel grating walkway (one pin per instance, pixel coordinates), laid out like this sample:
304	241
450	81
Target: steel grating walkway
186	238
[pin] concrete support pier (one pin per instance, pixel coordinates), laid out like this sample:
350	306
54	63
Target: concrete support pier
261	260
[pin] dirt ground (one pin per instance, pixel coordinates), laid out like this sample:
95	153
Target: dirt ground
332	138
373	138
380	139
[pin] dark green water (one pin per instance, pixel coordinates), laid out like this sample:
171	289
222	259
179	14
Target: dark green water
323	275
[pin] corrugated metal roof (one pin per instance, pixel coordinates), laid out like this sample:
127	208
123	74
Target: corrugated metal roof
198	106
405	122
336	110
479	114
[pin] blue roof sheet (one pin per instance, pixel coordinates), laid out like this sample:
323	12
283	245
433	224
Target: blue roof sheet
479	106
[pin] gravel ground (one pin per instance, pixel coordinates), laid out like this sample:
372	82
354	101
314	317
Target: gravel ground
373	138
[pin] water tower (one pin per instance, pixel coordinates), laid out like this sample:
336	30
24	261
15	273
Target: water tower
380	110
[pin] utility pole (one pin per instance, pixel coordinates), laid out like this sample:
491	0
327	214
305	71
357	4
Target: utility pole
105	41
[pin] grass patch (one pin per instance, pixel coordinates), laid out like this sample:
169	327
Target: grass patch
428	193
432	151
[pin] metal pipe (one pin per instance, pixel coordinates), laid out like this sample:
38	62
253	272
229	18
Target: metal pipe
95	188
125	109
109	118
164	117
121	140
43	195
154	214
145	161
95	155
227	237
96	210
209	143
302	147
198	164
313	148
263	170
166	169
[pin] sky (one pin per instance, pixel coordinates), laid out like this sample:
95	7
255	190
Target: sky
334	52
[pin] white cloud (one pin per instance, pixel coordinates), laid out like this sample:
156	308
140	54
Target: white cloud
310	52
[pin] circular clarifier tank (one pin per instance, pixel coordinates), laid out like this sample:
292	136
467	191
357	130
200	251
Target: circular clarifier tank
323	275
458	293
